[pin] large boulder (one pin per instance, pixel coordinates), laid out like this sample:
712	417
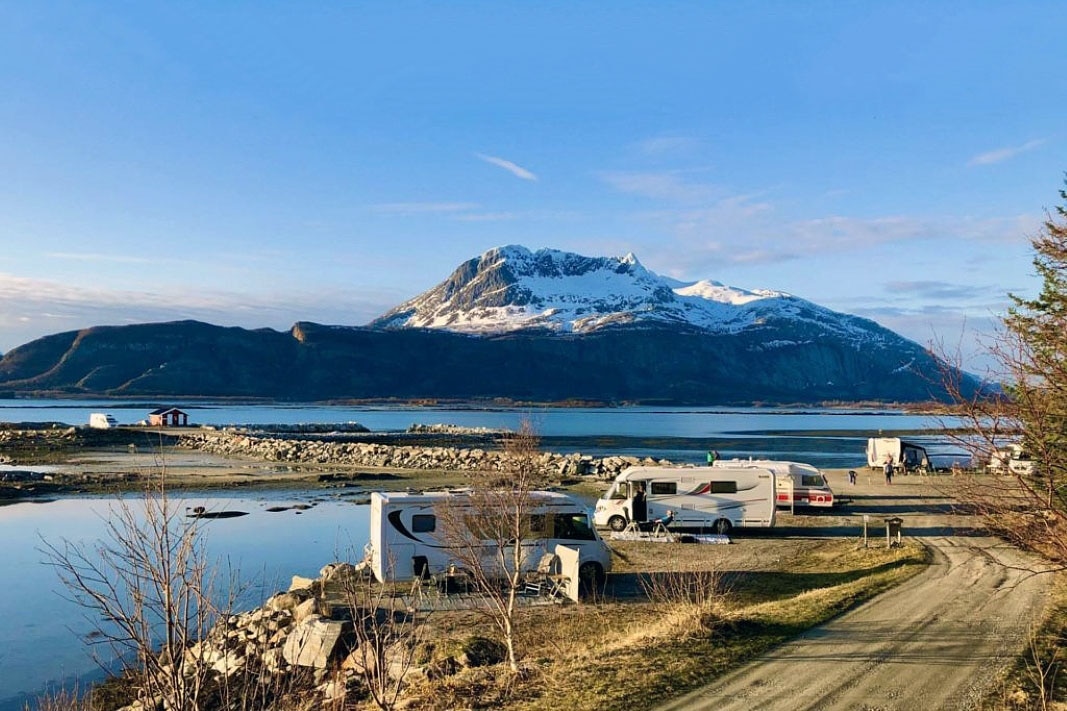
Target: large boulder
314	642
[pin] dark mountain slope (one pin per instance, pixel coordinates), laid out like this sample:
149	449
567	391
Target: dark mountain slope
538	326
314	362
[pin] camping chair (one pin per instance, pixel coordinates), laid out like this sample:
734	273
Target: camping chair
660	526
546	580
454	580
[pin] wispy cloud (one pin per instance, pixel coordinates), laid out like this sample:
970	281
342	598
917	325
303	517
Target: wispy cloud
487	217
31	308
672	185
940	290
517	170
420	208
1002	154
101	257
667	145
966	327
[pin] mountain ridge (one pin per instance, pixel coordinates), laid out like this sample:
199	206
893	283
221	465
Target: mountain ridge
512	288
516	325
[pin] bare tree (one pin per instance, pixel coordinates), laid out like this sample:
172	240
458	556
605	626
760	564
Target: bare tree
150	593
386	638
695	599
487	532
1029	406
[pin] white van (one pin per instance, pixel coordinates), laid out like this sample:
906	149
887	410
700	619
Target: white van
102	421
1011	459
899	453
405	534
797	484
704	498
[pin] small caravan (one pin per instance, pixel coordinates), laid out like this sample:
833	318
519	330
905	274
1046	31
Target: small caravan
705	498
796	484
102	421
899	453
407	539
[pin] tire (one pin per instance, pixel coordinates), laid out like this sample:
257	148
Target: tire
590	579
616	523
722	526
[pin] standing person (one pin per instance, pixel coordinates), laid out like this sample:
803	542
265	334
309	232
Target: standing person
711	457
640	505
888	470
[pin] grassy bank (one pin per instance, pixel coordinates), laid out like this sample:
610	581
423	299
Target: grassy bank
691	627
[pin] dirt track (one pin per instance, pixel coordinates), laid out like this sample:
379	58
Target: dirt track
935	642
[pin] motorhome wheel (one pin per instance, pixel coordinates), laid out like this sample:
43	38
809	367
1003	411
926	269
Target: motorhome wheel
722	526
590	578
616	523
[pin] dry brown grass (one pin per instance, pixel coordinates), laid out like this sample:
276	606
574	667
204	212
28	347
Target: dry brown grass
630	653
1039	676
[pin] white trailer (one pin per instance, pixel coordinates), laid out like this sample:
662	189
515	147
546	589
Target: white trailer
704	498
796	484
408	537
897	452
102	421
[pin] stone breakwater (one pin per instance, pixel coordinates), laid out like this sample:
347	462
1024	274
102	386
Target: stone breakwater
384	456
326	637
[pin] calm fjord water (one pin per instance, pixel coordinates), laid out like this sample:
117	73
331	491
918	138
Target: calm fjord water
41	632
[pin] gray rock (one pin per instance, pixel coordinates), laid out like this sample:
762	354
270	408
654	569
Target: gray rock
313	642
305	610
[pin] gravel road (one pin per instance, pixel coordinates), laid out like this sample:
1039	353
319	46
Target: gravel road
934	642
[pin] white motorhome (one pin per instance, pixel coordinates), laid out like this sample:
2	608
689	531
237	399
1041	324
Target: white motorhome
1011	459
705	498
102	421
407	539
796	484
896	451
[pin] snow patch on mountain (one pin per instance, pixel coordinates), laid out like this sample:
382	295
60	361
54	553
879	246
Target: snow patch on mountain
512	288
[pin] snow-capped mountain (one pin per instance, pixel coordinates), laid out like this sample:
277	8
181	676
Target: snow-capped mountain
543	326
511	288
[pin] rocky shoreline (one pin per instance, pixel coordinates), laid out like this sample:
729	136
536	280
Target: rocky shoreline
387	456
305	640
39	460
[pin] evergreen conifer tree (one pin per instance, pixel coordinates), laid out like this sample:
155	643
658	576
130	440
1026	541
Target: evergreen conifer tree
1036	356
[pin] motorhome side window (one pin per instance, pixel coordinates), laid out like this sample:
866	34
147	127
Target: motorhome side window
536	525
664	488
723	487
484	527
573	527
423	523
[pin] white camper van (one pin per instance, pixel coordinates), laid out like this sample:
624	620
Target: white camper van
796	484
1011	459
102	421
895	450
405	534
706	498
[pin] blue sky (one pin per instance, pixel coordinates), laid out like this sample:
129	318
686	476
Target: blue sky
256	164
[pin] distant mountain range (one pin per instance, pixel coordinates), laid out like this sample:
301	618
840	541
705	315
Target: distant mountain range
544	326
